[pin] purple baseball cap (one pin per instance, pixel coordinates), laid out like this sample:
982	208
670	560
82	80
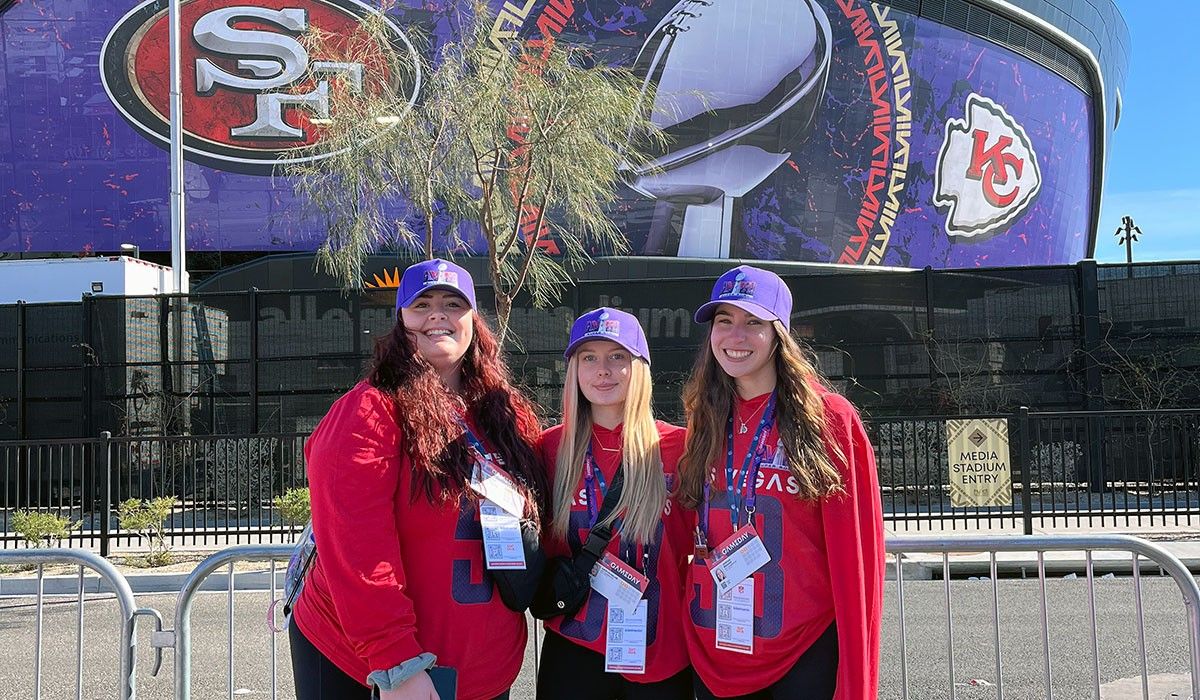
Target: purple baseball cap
434	274
757	291
612	325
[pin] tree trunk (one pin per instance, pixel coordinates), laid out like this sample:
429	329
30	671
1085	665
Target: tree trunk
503	311
429	234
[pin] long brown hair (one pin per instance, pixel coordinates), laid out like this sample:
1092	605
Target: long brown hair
800	414
427	413
645	491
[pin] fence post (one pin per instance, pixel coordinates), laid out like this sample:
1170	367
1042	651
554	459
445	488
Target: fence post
1093	376
253	293
21	390
165	381
89	356
106	501
1026	468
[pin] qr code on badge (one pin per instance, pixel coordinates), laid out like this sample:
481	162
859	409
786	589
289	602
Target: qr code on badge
616	654
616	634
616	616
725	631
494	551
725	612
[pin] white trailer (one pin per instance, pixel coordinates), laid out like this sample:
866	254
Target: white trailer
44	280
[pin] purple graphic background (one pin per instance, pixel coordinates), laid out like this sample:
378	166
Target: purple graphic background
75	177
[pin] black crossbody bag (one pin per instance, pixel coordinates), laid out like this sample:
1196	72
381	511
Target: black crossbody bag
567	582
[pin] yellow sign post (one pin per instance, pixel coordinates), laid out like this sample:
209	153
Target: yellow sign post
980	470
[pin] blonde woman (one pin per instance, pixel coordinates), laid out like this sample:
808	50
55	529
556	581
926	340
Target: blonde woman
626	639
785	589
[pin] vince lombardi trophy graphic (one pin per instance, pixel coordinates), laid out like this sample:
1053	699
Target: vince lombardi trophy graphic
736	86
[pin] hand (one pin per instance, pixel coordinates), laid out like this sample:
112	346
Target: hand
419	687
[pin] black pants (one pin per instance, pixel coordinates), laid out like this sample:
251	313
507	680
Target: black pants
570	672
318	679
813	677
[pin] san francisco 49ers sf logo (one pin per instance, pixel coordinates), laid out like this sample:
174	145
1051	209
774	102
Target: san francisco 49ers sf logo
250	88
987	173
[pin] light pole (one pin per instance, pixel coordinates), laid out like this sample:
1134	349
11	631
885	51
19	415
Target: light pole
178	234
133	249
1127	234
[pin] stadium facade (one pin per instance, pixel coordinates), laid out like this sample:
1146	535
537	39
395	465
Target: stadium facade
905	133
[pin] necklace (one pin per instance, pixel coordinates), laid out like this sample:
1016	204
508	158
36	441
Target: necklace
596	440
742	427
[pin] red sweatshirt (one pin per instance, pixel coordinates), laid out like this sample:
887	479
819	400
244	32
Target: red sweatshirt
396	574
666	651
827	563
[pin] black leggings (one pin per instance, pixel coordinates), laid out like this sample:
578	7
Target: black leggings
568	671
813	677
318	679
316	676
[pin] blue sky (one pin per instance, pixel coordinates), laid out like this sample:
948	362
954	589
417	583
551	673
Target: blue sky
1154	159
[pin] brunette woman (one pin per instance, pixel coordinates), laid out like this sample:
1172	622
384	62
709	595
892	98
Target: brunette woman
400	470
785	588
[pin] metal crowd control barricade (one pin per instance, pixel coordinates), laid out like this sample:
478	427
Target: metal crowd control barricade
1136	547
129	612
181	637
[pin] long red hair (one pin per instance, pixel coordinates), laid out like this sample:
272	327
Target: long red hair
428	414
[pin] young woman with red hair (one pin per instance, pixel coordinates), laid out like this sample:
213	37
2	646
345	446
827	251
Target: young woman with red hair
400	470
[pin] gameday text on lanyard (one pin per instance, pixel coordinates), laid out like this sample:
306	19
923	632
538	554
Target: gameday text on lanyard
748	474
593	477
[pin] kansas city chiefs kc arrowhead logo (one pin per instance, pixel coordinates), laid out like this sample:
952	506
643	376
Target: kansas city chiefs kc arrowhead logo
987	173
251	91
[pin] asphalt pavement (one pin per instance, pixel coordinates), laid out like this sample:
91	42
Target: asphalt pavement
927	649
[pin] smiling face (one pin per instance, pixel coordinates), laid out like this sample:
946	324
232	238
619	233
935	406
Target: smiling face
604	369
441	323
744	346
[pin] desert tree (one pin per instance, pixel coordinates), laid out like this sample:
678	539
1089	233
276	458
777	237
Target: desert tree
510	146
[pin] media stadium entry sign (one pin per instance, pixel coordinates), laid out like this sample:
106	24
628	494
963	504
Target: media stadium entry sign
832	131
980	470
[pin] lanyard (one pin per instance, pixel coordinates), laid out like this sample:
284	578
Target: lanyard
480	452
475	443
592	476
748	473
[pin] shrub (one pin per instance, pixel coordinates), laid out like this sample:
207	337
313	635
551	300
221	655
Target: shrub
38	528
148	519
294	506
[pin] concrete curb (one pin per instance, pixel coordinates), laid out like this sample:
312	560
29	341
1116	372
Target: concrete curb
140	583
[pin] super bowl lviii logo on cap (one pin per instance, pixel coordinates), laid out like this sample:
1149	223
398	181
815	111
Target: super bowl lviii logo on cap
440	275
603	325
739	287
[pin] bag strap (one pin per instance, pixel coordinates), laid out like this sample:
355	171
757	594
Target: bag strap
601	533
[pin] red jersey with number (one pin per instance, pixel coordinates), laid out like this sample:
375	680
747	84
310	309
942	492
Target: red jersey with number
662	562
397	574
827	563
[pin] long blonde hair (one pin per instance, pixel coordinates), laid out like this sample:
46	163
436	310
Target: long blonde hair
800	415
645	492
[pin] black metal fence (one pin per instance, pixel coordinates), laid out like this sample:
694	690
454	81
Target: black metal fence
1069	470
223	487
1082	337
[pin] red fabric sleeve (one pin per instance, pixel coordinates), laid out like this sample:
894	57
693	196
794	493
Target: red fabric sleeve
353	479
855	549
